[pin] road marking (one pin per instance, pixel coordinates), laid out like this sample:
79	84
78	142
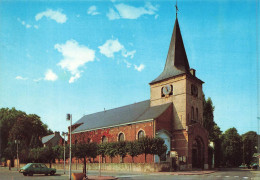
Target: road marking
236	176
245	177
227	176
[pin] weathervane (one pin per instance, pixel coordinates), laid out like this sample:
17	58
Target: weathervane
176	9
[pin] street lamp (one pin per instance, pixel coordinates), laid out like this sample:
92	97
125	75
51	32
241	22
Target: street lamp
64	142
17	157
258	135
69	118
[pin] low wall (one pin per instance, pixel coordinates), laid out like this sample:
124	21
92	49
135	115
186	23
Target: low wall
128	167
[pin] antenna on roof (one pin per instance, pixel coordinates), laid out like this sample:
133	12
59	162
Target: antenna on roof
176	9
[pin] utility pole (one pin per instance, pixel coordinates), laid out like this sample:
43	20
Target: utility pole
64	143
69	117
17	157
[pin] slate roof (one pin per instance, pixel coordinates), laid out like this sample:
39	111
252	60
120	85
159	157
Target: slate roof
129	114
177	61
45	139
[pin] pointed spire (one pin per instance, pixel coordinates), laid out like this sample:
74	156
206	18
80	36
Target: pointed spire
177	61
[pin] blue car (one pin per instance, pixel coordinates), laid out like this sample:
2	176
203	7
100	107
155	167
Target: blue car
36	168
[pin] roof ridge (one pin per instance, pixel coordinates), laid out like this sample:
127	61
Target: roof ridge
116	108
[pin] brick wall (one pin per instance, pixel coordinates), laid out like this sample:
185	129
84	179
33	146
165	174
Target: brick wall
130	132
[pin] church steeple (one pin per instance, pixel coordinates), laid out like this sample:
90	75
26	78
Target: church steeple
177	61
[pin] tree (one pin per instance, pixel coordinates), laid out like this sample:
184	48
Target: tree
35	155
231	146
10	151
121	149
93	150
158	147
85	150
208	117
111	150
213	130
7	119
61	154
17	125
102	149
249	141
145	145
133	149
48	154
57	152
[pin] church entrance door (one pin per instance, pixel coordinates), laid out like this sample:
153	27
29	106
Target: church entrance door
197	153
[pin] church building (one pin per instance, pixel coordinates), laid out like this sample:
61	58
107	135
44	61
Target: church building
174	112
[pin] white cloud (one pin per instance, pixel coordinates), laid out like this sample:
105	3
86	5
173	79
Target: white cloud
73	78
36	27
74	57
58	16
110	47
130	12
37	80
130	53
24	23
28	26
139	68
50	75
92	10
112	14
128	64
20	78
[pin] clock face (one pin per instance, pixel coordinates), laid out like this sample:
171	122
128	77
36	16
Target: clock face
167	89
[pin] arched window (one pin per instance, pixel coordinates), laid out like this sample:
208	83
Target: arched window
140	134
121	137
192	113
197	114
104	139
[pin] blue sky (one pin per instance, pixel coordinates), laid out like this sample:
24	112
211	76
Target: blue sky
59	57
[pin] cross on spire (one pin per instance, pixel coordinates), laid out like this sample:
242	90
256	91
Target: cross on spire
176	9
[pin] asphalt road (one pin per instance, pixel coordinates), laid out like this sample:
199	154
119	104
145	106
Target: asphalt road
5	174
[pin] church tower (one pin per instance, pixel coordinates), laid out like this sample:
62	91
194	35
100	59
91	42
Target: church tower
178	84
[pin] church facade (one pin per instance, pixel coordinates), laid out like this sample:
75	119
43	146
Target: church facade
174	112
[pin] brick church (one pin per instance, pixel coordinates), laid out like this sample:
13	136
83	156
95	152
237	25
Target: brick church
174	112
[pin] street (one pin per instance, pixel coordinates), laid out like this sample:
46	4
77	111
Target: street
230	174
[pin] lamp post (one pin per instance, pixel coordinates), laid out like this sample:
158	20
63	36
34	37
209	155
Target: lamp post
258	135
258	141
64	142
69	117
17	157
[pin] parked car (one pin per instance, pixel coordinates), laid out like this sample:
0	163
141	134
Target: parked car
243	166
36	168
254	165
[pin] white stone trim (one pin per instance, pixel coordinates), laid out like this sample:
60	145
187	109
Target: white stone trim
140	129
121	132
